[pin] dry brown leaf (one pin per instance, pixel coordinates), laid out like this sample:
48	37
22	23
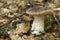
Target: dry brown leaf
26	18
22	28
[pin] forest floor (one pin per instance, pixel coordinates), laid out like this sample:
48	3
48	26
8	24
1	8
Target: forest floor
15	24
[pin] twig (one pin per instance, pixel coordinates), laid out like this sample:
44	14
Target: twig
56	18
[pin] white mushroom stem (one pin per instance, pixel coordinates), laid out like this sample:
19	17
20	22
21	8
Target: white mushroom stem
38	25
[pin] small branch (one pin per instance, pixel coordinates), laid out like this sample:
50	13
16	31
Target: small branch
55	18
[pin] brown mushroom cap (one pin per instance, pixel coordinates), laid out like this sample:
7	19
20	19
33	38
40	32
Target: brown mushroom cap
34	10
37	10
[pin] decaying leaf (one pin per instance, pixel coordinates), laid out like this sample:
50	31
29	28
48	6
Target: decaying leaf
21	28
26	18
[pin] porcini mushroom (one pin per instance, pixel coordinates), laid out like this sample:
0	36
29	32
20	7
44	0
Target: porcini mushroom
38	23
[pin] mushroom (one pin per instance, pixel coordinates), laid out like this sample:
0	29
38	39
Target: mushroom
38	13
